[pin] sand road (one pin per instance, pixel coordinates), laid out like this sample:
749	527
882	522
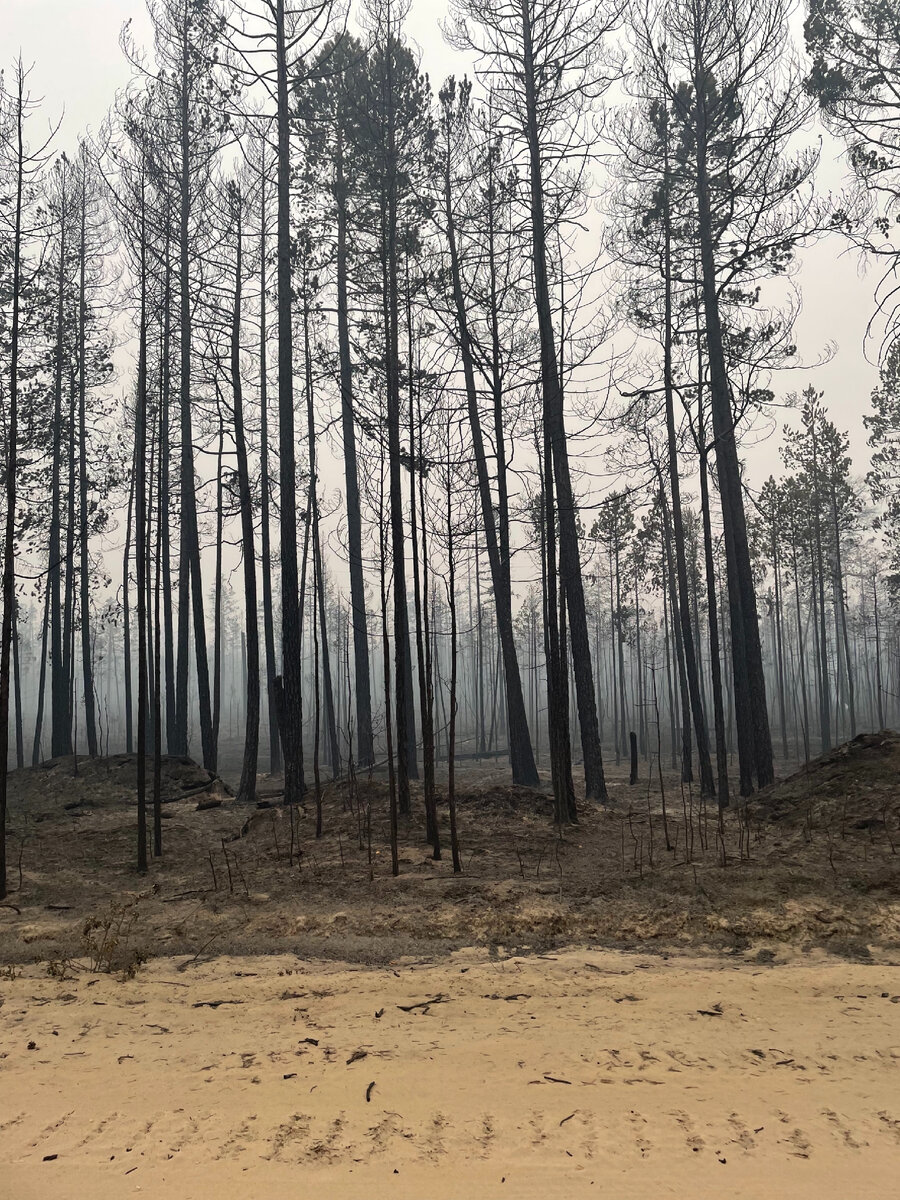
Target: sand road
584	1073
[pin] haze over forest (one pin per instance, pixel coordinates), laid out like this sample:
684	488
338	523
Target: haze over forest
381	391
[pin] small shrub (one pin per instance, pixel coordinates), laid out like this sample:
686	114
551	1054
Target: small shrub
108	940
61	968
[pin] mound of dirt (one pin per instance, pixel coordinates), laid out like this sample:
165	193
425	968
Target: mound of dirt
76	781
510	798
853	791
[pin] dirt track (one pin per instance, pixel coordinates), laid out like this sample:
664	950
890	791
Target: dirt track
577	1074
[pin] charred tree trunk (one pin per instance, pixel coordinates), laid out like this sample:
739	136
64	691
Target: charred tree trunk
217	582
247	786
687	770
126	611
451	728
752	720
87	670
715	660
60	725
292	743
406	740
69	588
842	608
165	535
431	825
318	568
524	770
9	562
140	504
701	734
554	419
190	581
819	586
365	749
42	680
264	498
17	687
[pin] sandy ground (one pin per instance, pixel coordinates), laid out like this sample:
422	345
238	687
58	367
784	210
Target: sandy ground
580	1073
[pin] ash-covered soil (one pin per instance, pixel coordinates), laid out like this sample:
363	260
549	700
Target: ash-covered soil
814	861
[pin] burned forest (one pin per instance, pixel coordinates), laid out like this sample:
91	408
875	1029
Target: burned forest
450	531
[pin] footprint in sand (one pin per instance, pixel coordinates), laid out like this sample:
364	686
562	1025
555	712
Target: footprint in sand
288	1133
486	1134
588	1133
189	1134
742	1134
842	1128
801	1147
538	1133
51	1129
890	1124
236	1142
12	1122
639	1124
96	1131
381	1135
329	1147
434	1134
693	1139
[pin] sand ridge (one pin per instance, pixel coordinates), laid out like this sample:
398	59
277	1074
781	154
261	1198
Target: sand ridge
559	1075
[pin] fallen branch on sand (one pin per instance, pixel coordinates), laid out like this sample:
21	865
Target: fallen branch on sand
425	1004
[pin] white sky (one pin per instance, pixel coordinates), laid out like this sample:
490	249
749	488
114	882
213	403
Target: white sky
78	66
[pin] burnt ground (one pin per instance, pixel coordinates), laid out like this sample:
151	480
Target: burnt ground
813	861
